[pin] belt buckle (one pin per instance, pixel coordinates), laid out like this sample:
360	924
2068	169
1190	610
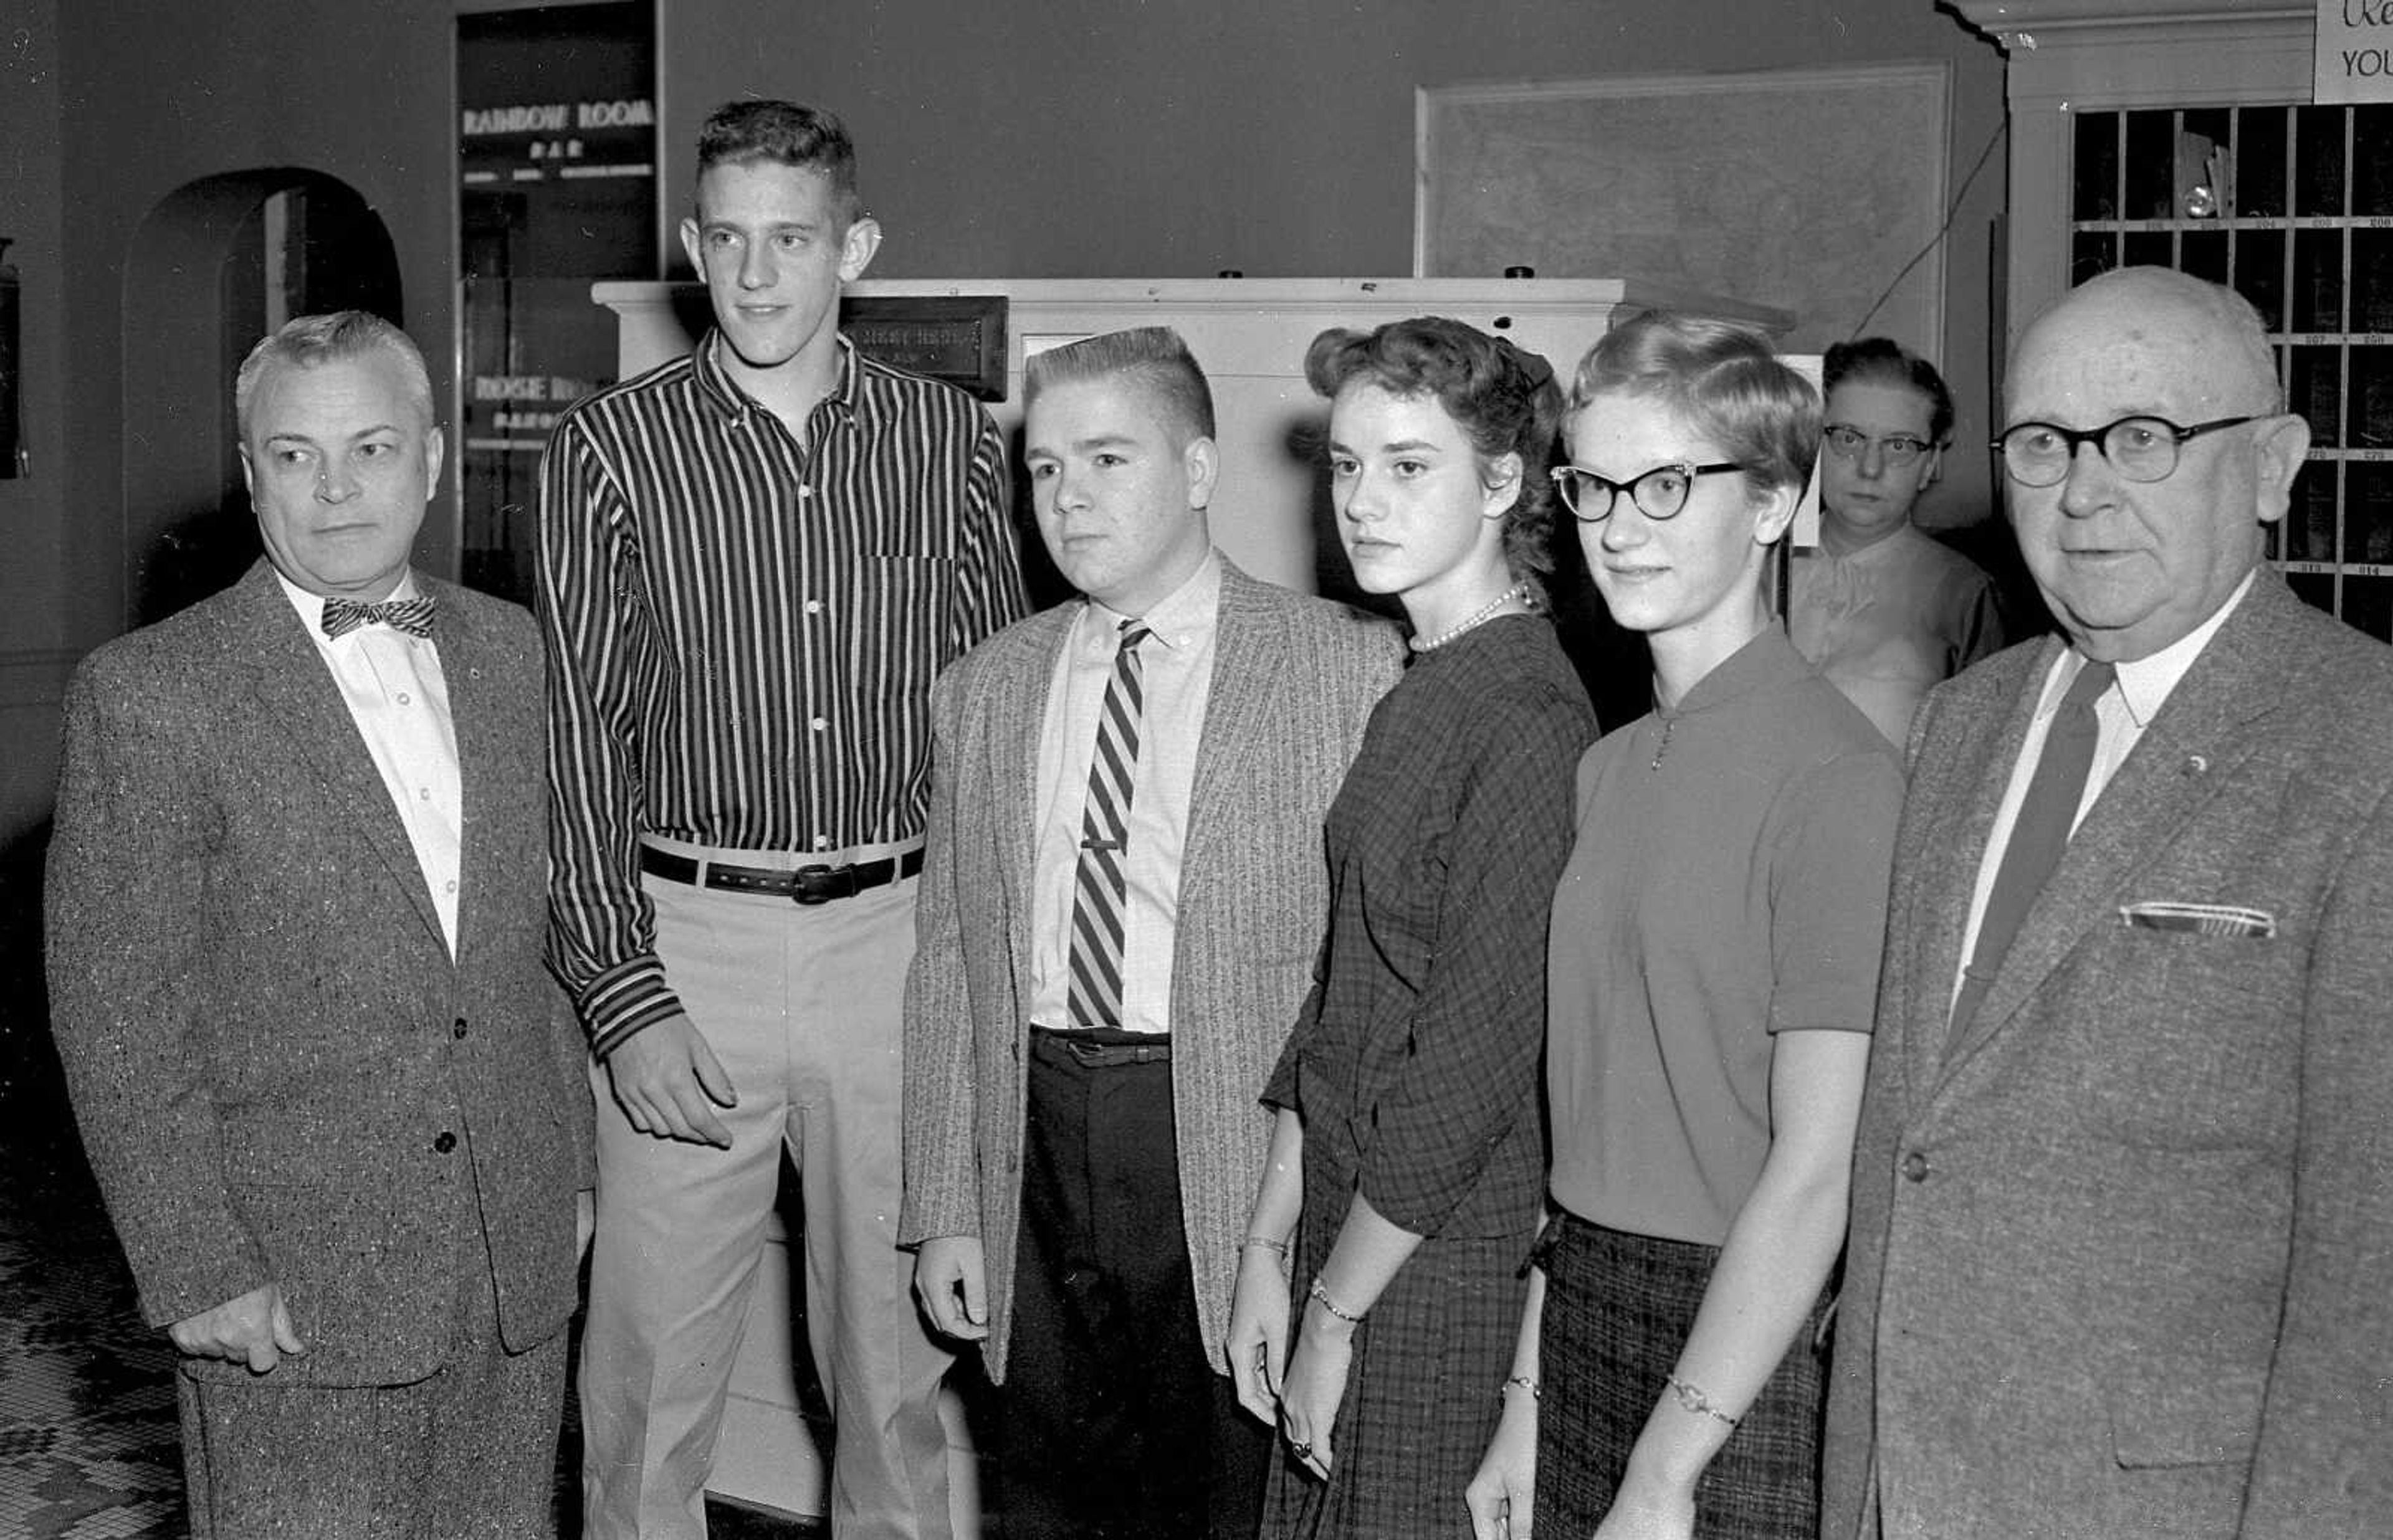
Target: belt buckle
812	886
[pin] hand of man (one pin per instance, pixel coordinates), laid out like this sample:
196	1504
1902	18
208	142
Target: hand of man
253	1329
953	1286
669	1083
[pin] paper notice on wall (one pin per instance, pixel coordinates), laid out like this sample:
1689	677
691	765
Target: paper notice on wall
2355	51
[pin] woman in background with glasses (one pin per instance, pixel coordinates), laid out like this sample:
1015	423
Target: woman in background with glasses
1381	1280
1710	978
1886	612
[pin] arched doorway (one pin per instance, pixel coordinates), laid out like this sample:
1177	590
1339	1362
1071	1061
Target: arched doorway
216	265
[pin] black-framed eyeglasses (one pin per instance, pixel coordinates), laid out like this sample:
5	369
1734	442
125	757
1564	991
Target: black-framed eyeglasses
2140	449
1658	493
1897	449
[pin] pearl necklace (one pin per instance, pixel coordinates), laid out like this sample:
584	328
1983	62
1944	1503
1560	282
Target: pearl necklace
1486	612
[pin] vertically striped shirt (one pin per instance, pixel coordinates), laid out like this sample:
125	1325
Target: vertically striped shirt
744	631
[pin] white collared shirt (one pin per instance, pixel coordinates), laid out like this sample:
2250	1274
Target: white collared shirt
2121	714
399	698
1176	678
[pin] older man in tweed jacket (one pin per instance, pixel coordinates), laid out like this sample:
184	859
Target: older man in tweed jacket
2122	1258
1084	1058
296	907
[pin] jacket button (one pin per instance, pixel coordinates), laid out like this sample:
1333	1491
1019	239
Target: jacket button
458	1031
446	1142
1915	1167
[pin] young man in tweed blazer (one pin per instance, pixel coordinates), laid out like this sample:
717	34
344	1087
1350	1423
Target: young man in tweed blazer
297	910
1079	1169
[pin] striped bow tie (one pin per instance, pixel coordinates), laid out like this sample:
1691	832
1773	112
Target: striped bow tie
411	615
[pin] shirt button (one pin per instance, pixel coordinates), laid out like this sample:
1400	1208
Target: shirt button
814	607
805	491
820	723
458	1031
453	887
402	698
446	1142
822	841
1915	1167
425	792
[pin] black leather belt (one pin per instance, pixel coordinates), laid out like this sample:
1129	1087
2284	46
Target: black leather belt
1102	1048
804	886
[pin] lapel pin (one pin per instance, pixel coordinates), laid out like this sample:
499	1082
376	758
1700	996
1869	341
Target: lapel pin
2195	764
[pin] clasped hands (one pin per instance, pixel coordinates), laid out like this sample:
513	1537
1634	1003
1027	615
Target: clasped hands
1295	1385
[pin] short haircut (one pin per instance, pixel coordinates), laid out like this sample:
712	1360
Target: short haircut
1503	399
784	133
1154	358
1883	361
308	342
1724	379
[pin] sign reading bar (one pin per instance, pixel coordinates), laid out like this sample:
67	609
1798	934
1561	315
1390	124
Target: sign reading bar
959	338
2355	51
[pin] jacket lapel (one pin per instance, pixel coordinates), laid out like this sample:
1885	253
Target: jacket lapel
1967	790
492	781
1017	717
303	702
2201	734
1245	647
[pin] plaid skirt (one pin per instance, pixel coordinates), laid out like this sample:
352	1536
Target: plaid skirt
1420	1400
1618	1308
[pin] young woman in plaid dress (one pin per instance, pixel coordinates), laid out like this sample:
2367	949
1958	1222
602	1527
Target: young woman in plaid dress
1402	1196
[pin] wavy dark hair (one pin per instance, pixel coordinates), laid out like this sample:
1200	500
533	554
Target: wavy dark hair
1504	401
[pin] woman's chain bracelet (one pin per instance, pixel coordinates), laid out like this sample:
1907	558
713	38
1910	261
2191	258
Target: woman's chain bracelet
1692	1399
1266	1242
1523	1381
1321	1294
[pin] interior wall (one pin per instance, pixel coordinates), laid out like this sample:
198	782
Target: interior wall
1089	139
1077	138
34	531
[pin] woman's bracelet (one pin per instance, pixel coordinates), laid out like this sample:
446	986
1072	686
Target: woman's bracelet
1523	1381
1692	1399
1266	1242
1321	1294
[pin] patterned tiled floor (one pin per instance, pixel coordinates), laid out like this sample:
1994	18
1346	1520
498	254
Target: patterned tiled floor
87	1442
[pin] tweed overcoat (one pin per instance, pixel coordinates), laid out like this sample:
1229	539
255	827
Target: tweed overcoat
2122	1258
279	1072
1294	681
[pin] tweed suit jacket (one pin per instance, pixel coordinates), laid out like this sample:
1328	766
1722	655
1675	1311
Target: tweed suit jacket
280	1073
2122	1258
1294	681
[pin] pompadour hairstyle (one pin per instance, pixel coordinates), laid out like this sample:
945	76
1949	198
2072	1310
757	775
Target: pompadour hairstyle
1155	358
308	342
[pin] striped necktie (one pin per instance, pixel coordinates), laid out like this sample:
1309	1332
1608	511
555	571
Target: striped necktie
1098	899
411	615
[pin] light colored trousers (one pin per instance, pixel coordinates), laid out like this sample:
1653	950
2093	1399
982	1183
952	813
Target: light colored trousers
802	1006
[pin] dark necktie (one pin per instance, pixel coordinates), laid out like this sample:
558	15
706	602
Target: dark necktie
2039	835
411	615
1098	897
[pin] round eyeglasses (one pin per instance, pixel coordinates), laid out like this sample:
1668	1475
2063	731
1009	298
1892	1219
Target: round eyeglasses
1658	493
2140	449
1895	449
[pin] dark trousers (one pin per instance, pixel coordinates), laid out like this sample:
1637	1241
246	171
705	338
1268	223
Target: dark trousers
1114	1423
